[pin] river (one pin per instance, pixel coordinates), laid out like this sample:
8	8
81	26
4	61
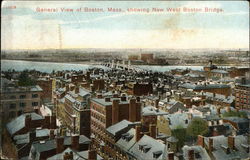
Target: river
48	67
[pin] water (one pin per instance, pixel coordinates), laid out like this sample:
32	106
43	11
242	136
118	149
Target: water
48	67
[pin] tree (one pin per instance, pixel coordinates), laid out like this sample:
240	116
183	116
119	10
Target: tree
25	80
235	114
180	134
197	127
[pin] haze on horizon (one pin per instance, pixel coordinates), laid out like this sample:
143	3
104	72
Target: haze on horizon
24	28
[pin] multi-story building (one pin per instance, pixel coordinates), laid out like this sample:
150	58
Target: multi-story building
73	110
111	110
46	85
16	100
242	96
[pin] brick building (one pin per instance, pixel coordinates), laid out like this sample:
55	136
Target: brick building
149	57
46	85
18	100
242	96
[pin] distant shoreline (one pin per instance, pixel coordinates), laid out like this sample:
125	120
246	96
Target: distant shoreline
96	63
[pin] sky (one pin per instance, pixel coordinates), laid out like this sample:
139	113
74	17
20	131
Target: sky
23	27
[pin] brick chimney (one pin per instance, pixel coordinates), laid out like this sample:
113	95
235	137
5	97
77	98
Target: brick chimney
32	135
59	144
156	103
231	142
52	134
92	155
67	88
46	123
152	130
191	154
68	156
53	122
107	99
138	99
132	110
138	134
201	141
115	111
77	89
99	95
28	121
75	142
210	144
170	156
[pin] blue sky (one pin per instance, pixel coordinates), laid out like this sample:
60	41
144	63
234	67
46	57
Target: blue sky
24	28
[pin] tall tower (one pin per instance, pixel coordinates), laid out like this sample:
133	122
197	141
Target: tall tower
59	36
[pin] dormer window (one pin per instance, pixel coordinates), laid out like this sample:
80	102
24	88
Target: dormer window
157	154
146	148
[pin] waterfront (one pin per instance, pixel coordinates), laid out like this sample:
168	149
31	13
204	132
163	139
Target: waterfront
48	67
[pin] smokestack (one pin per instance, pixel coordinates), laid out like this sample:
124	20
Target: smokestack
75	142
59	144
138	134
115	111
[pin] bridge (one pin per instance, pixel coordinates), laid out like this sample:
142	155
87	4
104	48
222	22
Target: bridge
123	65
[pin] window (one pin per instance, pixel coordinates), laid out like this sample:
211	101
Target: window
13	97
12	106
34	95
22	105
34	103
22	96
186	121
12	114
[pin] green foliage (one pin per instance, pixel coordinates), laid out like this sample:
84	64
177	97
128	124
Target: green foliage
197	127
25	80
235	114
180	133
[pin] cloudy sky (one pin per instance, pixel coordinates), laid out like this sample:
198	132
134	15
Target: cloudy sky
25	28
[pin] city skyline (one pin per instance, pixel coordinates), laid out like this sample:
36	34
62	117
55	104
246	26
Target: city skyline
25	27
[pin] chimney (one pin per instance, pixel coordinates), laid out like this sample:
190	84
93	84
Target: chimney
123	98
92	155
51	134
170	156
53	122
152	130
59	144
68	156
115	111
28	121
75	142
36	110
210	144
132	110
67	88
138	99
32	135
156	103
77	90
191	155
46	123
107	99
201	141
231	142
115	95
138	134
99	96
218	111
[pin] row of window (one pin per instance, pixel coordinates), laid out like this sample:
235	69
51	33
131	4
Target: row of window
23	96
22	104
